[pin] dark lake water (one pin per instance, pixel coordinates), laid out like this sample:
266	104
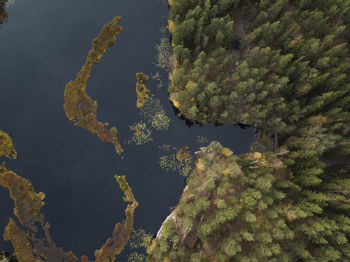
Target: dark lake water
43	45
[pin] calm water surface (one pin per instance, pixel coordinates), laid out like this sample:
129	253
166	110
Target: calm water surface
42	46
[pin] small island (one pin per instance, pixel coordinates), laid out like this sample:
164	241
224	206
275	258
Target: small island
6	146
78	105
141	89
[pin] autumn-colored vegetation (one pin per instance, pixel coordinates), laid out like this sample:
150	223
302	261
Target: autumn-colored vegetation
121	234
31	245
142	134
141	89
154	113
6	146
180	161
281	66
27	239
27	244
183	154
78	105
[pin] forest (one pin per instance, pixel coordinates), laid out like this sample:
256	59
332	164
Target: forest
280	66
283	68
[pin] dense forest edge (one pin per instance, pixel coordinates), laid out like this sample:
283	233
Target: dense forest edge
282	67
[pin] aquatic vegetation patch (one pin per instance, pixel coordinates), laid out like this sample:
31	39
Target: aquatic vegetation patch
201	139
141	135
141	89
155	114
78	105
136	257
180	161
167	147
183	154
139	238
168	162
160	121
156	76
139	241
165	59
